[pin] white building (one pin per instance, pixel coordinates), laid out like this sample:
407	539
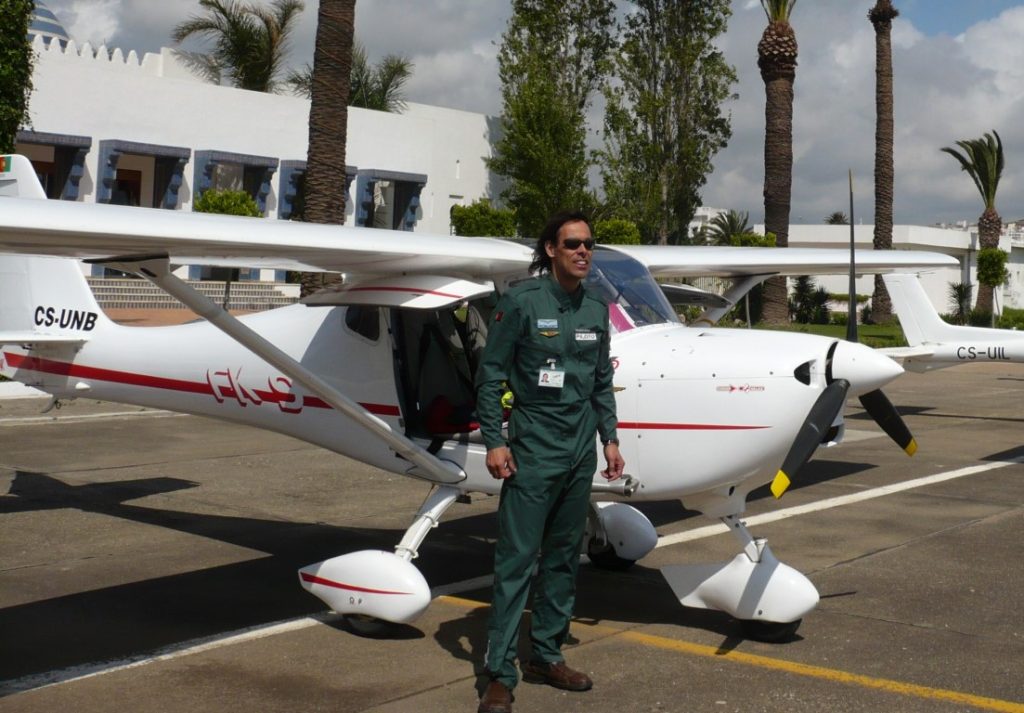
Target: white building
961	243
113	128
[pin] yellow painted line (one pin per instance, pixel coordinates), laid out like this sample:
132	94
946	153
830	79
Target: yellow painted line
799	669
827	674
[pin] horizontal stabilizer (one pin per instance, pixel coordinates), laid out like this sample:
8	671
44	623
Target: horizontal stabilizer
906	352
29	338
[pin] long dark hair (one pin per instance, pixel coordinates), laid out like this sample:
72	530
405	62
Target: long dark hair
541	260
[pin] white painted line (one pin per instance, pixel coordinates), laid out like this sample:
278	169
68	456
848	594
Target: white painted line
702	532
186	648
27	420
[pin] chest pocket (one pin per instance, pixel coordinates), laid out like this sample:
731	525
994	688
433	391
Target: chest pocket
586	346
533	355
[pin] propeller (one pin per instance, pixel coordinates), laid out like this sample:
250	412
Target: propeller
875	402
819	420
848	363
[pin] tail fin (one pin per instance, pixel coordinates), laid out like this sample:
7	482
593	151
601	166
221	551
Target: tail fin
18	178
41	298
920	322
45	296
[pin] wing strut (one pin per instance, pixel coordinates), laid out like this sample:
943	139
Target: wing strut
156	269
740	287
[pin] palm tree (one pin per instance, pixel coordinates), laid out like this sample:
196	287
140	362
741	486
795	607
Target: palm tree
328	119
837	218
881	16
250	42
725	225
776	58
378	87
983	160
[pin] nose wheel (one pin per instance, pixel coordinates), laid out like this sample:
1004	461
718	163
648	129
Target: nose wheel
603	555
771	632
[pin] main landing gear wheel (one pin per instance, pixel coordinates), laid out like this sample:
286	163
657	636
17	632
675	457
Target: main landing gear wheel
369	627
602	554
771	632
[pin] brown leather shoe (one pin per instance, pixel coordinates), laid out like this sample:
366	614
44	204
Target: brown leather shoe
556	674
497	698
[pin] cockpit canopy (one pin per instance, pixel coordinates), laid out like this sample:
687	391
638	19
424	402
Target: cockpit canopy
634	298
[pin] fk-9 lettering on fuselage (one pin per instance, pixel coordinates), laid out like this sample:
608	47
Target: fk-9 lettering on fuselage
64	318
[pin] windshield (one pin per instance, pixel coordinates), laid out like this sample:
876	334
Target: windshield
634	298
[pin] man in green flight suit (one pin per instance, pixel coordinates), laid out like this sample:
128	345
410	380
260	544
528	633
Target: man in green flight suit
549	342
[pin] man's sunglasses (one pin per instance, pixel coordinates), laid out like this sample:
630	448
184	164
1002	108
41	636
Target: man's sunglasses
574	243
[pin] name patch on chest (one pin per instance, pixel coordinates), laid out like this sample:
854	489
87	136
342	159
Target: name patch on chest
547	324
586	336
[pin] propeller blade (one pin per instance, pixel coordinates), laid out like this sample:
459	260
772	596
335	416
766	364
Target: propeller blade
885	414
851	303
819	420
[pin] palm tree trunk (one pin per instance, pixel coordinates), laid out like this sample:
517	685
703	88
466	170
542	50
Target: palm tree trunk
777	53
328	121
881	16
778	179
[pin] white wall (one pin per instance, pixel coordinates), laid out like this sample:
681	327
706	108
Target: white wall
157	101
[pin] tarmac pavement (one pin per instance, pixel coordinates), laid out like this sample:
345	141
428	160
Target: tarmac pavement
148	563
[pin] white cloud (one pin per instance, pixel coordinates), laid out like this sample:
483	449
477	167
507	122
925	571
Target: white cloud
946	89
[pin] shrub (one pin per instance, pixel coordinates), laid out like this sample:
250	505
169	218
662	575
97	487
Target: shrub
979	319
481	219
227	203
617	231
992	267
752	240
1011	318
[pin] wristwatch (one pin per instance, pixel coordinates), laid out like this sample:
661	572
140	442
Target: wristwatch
609	441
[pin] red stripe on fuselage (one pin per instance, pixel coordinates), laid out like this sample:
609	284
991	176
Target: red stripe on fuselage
63	368
313	579
685	426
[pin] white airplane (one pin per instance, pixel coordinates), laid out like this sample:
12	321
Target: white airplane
936	344
369	370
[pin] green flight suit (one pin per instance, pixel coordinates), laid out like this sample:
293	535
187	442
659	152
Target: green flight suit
538	331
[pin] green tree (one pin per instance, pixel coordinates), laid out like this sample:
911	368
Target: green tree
328	121
724	226
250	42
617	231
480	218
552	56
776	58
837	218
377	87
15	69
983	160
664	121
809	303
881	17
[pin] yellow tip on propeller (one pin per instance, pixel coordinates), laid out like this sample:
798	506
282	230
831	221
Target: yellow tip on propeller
911	448
780	484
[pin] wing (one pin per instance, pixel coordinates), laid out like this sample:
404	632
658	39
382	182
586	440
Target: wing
696	261
92	230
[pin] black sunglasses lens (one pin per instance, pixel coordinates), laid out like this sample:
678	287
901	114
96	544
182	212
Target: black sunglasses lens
574	243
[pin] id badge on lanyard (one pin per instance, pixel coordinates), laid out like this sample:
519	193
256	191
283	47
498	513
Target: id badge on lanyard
551	376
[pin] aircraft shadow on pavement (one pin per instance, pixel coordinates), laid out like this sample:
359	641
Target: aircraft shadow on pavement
140	617
930	412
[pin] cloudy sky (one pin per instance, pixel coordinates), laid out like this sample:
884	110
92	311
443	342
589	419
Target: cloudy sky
959	72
